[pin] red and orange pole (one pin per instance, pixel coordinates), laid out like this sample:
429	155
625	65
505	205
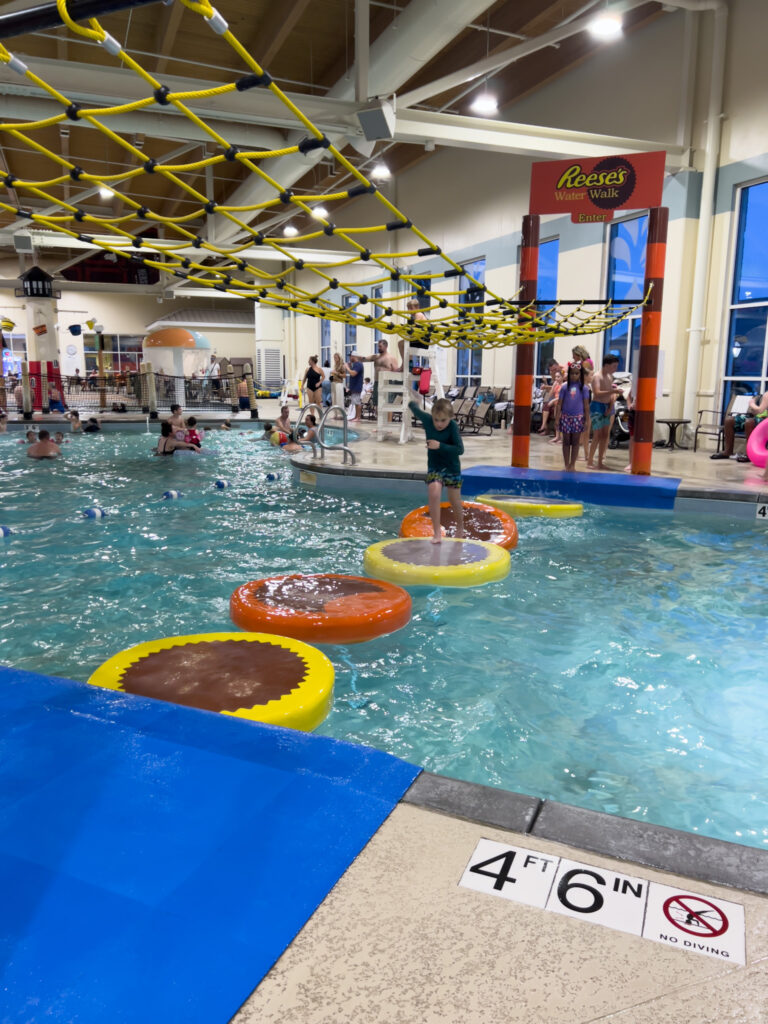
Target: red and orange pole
529	273
650	333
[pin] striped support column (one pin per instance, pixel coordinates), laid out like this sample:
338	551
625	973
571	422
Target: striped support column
650	331
529	272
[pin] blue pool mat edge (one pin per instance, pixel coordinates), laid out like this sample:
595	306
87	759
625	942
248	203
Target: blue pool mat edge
617	489
250	873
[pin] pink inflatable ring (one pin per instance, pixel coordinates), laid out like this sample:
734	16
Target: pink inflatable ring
756	449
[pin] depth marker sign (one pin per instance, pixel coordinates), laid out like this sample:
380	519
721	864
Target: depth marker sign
672	916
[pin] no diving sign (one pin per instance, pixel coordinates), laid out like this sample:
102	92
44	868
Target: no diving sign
696	923
674	917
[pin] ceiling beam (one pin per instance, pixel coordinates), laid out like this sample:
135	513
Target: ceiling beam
168	27
275	29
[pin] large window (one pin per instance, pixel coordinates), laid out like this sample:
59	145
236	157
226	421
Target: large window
14	353
626	278
745	361
350	331
469	361
546	289
122	352
376	311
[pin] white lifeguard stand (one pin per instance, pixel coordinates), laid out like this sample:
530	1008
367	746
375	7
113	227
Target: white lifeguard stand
395	392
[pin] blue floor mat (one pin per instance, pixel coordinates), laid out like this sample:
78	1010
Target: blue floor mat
156	860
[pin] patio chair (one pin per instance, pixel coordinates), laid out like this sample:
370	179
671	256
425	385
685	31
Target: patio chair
479	417
711	423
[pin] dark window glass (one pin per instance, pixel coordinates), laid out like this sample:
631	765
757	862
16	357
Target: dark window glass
469	361
746	342
350	331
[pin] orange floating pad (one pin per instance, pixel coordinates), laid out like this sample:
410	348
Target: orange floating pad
481	522
324	609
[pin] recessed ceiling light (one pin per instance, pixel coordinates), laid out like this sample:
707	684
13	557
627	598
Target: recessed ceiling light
485	103
105	193
289	230
381	172
606	25
320	212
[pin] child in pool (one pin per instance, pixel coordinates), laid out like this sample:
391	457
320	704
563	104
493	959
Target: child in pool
444	446
193	435
573	406
29	438
74	421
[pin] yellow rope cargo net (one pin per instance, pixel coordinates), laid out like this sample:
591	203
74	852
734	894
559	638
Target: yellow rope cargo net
487	321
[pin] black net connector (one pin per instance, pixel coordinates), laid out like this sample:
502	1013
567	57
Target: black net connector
258	238
76	173
253	298
149	166
241	264
395	275
389	326
363	300
329	229
421	291
361	190
452	273
186	263
308	144
9	180
210	206
443	304
180	273
137	241
220	287
333	283
79	214
142	212
388	311
263	293
395	225
280	283
369	319
365	255
231	153
286	195
24	213
298	264
294	305
252	81
226	279
73	111
161	95
197	242
85	238
431	250
493	302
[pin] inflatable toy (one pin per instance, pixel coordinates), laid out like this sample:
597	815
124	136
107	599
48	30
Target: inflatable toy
278	438
451	563
326	608
756	445
5	531
94	513
481	522
222	485
172	495
272	679
551	508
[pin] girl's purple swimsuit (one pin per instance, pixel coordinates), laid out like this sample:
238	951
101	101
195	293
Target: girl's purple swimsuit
572	410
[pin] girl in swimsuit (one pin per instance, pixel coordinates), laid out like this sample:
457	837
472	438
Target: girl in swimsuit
168	444
313	381
573	404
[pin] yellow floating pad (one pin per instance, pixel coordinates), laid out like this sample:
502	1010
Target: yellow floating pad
452	563
267	678
552	508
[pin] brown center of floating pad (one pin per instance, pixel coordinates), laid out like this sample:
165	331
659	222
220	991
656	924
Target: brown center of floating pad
424	552
218	675
479	523
310	593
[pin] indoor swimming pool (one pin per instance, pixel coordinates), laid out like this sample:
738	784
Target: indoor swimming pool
619	667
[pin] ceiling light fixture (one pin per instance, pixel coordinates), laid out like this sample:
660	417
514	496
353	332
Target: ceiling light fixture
485	103
381	172
606	25
105	193
289	231
320	213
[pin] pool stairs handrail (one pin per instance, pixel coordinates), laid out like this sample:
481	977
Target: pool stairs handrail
323	446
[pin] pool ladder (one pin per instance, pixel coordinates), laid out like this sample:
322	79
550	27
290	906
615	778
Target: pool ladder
323	416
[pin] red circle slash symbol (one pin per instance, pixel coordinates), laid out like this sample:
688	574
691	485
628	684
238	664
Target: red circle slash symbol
695	915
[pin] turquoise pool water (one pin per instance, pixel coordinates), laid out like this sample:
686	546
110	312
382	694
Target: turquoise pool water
620	666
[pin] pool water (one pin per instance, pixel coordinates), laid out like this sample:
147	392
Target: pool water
619	667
